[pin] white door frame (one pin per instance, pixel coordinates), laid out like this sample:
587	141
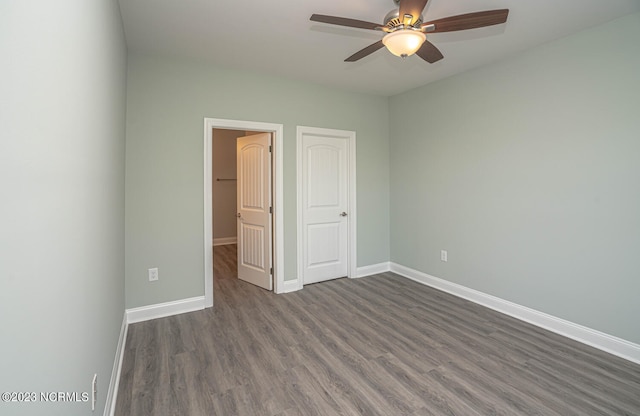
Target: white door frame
278	218
350	136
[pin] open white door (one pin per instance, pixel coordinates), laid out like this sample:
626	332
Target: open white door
325	209
254	206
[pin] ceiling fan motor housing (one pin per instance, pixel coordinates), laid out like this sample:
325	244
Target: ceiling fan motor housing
393	21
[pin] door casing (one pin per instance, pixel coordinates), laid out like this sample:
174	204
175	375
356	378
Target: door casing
350	136
277	180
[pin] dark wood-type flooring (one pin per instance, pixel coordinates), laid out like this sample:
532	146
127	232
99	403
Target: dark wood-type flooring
380	345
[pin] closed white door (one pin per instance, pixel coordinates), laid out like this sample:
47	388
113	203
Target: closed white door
325	207
254	209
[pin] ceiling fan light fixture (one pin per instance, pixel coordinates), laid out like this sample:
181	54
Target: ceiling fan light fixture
404	42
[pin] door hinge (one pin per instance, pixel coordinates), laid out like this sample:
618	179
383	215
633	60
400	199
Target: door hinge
270	149
270	210
271	270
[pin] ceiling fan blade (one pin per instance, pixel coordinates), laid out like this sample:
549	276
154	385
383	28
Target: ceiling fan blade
365	52
343	21
412	7
429	52
467	21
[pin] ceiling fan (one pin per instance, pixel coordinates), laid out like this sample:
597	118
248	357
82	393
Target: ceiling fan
405	29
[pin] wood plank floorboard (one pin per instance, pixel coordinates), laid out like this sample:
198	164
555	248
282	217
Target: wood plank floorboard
380	345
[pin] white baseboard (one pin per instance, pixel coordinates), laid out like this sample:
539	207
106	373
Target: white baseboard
291	286
161	310
112	393
605	342
224	241
373	269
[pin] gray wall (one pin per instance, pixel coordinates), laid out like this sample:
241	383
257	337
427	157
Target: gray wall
62	133
224	192
167	101
528	172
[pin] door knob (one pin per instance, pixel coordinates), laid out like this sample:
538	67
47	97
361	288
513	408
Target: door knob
343	214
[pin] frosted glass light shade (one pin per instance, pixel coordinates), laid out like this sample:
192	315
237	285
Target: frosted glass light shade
404	42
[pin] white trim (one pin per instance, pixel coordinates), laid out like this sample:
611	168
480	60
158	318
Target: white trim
223	241
161	310
350	136
292	285
353	208
208	212
112	393
373	269
278	202
605	342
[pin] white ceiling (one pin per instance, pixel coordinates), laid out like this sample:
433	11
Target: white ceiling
277	38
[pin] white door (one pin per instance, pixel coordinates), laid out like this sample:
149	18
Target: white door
325	207
254	206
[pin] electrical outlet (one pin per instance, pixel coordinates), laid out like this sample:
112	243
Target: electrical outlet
443	255
94	391
153	274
